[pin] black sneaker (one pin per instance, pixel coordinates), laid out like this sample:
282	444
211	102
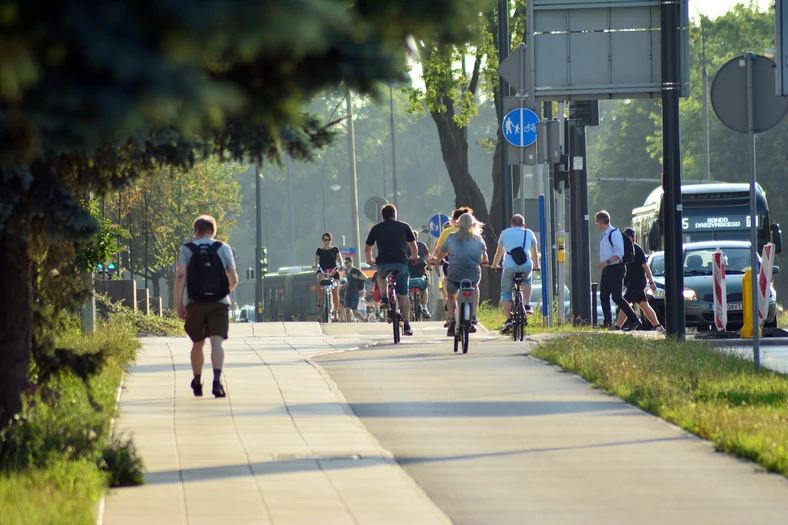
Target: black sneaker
218	389
529	309
406	329
197	387
507	327
384	303
634	325
472	329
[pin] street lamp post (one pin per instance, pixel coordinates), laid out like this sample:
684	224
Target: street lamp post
393	148
383	157
323	179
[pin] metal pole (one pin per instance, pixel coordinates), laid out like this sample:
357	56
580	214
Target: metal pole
323	180
756	325
393	154
561	219
383	156
671	151
288	162
706	129
580	251
503	91
258	272
351	153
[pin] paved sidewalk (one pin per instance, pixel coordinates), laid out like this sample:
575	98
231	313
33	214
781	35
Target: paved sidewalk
282	448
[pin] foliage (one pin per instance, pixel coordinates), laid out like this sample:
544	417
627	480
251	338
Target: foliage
458	79
711	393
159	211
65	493
628	143
168	325
93	95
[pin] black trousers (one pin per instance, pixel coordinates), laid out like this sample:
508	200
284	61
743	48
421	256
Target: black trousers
611	286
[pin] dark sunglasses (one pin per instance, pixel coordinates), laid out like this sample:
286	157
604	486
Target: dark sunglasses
326	239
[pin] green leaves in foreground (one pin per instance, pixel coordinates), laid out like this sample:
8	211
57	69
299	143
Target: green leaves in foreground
708	392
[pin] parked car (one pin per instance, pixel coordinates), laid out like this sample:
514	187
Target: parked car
536	297
699	284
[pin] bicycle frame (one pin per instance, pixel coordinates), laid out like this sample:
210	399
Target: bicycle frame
327	285
394	314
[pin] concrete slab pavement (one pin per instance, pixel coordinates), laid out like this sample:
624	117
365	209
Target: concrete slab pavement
283	447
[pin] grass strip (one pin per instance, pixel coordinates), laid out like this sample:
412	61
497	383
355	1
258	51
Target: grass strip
61	457
492	317
711	393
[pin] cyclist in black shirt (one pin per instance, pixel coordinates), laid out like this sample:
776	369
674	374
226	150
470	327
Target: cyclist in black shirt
329	260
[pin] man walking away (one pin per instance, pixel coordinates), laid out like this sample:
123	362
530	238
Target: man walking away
205	277
518	248
355	283
635	282
611	255
394	239
420	274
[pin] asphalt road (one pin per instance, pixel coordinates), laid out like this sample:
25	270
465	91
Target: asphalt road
495	437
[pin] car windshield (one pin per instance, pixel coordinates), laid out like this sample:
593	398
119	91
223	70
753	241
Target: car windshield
699	262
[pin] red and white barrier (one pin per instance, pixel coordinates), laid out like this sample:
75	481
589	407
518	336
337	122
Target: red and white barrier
764	282
720	291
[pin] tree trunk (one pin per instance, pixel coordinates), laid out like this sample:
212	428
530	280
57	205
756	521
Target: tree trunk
15	317
454	148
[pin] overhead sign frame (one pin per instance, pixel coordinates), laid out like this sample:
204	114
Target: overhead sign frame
592	49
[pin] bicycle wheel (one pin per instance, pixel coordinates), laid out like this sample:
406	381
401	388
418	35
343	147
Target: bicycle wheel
395	324
415	306
466	327
325	315
516	321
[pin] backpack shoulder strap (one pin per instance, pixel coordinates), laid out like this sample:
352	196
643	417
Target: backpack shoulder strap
610	236
216	246
193	247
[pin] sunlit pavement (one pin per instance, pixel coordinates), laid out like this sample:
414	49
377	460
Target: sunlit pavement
491	437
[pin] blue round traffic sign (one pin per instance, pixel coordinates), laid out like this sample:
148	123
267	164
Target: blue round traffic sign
436	224
519	127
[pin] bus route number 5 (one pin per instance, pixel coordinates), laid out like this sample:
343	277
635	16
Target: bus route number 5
684	223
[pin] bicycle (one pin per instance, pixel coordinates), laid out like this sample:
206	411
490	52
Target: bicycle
327	285
415	304
519	315
462	325
394	313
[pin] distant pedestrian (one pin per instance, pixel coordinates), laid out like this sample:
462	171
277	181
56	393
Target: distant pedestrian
355	284
205	277
638	272
611	255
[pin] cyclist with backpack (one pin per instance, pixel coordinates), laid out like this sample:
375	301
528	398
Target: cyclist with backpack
615	251
518	248
205	277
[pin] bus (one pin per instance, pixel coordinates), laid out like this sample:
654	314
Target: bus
710	212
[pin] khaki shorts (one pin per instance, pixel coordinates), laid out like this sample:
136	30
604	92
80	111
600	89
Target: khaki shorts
206	319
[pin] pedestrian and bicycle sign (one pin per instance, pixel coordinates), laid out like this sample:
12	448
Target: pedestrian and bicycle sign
519	127
436	224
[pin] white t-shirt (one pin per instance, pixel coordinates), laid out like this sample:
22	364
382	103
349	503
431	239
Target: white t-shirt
513	237
225	254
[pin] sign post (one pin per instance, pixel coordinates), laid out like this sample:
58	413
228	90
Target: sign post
765	282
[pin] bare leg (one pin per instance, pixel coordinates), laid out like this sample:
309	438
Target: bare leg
335	293
319	289
217	352
451	305
650	313
404	305
527	289
425	296
382	286
198	359
622	318
507	309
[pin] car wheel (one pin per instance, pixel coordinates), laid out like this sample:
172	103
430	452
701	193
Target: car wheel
771	324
